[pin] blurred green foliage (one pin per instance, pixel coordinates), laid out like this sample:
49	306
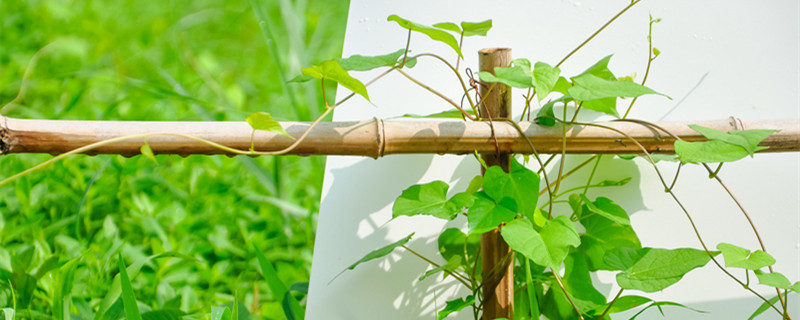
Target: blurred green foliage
62	228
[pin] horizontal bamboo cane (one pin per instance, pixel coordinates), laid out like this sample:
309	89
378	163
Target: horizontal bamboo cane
372	138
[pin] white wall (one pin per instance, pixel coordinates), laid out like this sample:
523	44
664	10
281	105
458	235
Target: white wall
719	59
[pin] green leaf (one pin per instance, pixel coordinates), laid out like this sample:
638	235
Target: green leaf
517	75
721	147
300	79
608	209
548	247
709	151
600	69
578	282
764	307
773	279
452	264
112	296
602	235
379	253
562	86
658	305
475	184
291	308
264	121
590	87
544	79
747	139
795	287
454	243
456	305
430	199
653	269
364	63
521	185
486	214
8	313
128	298
147	152
433	33
331	70
739	257
220	313
449	26
607	106
449	114
623	303
476	28
545	116
163	314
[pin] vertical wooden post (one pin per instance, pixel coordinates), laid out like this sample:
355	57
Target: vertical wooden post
498	266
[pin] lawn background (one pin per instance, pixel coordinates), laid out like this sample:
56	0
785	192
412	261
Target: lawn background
205	60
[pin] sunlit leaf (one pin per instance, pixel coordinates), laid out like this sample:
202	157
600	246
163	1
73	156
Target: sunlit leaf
590	87
430	199
747	139
364	63
544	79
600	69
548	247
449	26
476	28
709	151
518	75
264	121
521	185
653	269
773	279
608	209
433	33
485	214
739	257
331	70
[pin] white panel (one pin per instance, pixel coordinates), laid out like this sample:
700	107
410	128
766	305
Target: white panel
719	59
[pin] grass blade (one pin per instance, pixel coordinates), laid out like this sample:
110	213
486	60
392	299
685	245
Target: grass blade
128	299
291	307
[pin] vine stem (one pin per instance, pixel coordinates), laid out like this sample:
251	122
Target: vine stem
438	94
610	304
560	284
455	275
633	3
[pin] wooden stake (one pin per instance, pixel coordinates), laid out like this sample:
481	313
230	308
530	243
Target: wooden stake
497	261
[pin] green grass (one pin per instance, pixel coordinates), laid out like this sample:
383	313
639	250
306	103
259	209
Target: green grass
189	224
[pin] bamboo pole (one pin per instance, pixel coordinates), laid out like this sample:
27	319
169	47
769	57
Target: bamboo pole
497	265
372	138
